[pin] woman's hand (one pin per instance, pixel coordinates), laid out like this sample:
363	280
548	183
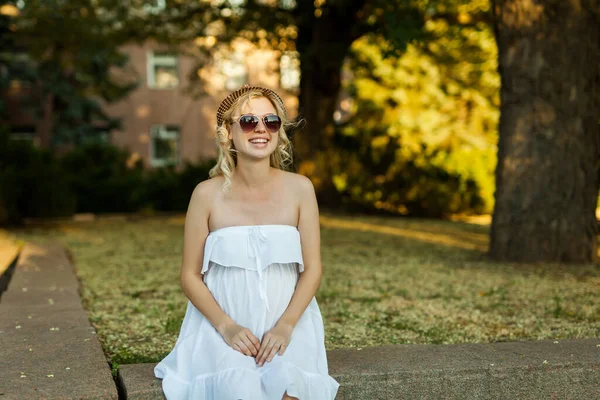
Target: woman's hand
274	342
240	339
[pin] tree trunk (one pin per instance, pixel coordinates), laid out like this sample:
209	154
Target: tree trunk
314	142
547	177
323	44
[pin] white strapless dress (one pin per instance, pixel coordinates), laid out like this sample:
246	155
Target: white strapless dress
252	271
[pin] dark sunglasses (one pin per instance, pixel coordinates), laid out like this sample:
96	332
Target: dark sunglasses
248	122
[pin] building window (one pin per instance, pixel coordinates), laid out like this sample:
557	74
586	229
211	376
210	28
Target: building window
288	4
155	6
162	71
289	70
27	133
232	67
164	148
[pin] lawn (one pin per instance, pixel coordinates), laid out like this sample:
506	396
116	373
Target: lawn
385	280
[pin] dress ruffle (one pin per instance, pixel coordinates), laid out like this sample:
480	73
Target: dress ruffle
232	247
270	383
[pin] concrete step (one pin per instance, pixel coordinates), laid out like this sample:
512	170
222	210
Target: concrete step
569	369
49	349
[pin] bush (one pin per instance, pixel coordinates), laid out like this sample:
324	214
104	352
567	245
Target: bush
416	187
93	177
103	179
168	190
32	183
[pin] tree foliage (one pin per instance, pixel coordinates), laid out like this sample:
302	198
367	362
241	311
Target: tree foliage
72	50
430	111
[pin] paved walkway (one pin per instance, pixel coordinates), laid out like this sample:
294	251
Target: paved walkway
49	348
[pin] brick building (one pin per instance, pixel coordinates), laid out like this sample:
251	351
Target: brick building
162	123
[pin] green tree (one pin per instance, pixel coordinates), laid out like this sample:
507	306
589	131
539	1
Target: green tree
421	134
73	48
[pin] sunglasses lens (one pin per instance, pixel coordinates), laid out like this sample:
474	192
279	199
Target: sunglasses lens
248	122
272	122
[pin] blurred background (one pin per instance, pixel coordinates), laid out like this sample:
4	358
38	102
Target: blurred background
401	98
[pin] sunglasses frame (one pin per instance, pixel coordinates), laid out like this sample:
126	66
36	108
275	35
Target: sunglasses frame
257	119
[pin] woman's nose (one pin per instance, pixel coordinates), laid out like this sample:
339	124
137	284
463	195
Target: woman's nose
260	127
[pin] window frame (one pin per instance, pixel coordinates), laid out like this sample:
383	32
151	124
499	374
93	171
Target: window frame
164	129
159	7
25	133
151	65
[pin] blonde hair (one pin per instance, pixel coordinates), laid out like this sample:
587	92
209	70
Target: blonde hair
227	157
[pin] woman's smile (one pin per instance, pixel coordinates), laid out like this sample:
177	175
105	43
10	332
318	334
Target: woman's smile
259	144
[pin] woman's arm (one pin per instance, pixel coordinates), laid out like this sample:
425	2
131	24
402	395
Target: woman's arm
310	235
195	234
277	339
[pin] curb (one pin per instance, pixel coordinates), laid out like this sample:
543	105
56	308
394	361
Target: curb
49	348
569	369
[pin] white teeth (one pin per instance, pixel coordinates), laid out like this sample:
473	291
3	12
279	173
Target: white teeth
258	141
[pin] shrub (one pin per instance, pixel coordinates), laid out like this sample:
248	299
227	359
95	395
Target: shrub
103	179
32	183
169	190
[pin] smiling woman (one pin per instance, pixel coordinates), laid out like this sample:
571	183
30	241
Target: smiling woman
251	267
249	108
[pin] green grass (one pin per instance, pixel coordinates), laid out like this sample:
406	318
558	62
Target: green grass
385	281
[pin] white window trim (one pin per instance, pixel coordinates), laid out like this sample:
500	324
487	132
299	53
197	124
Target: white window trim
162	131
160	6
23	133
150	64
287	4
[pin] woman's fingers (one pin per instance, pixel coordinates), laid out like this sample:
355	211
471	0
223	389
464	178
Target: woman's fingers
254	340
241	339
248	342
264	347
237	348
243	347
269	352
282	349
273	351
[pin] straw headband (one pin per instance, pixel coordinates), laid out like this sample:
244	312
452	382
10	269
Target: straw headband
229	100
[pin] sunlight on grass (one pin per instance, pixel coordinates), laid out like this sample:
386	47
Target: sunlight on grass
456	238
9	249
385	280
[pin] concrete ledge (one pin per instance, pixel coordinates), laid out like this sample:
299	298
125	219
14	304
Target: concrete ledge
49	349
516	370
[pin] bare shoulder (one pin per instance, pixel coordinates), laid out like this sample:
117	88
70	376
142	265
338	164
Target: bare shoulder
204	194
300	184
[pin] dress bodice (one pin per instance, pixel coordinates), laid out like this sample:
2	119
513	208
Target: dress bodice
253	247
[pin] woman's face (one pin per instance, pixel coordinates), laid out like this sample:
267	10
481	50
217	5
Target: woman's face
259	106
